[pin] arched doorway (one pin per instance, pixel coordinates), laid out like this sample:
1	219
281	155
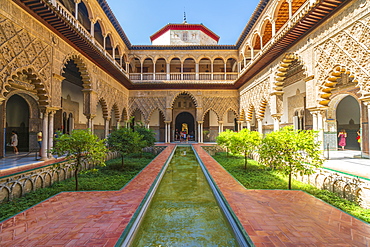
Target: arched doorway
17	119
185	122
184	111
348	118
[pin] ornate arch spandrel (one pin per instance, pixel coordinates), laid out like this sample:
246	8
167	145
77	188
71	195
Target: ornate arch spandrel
146	105
21	51
221	105
350	50
191	95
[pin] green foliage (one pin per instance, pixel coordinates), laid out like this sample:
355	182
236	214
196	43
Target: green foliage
126	141
289	151
147	135
80	146
223	139
258	176
244	142
110	177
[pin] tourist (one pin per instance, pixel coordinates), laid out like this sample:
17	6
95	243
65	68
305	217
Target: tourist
39	141
358	138
14	142
342	138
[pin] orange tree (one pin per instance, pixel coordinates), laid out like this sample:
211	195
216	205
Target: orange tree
80	146
291	151
245	142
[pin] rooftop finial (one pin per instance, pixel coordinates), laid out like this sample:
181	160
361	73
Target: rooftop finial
184	16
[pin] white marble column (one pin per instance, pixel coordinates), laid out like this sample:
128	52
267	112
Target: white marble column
220	126
154	71
90	122
239	125
314	120
76	9
276	119
51	133
198	136
295	122
200	131
168	74
44	144
167	137
106	127
197	71
165	132
320	128
259	123
249	125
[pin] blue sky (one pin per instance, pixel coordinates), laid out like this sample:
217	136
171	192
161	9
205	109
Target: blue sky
142	18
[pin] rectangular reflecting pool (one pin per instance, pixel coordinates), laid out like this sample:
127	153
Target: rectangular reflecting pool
184	211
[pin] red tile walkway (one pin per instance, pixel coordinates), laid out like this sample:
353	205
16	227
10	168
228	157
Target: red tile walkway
270	217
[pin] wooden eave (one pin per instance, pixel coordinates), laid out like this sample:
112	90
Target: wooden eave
323	10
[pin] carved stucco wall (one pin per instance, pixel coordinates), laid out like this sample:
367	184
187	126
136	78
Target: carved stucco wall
219	101
24	55
22	52
349	49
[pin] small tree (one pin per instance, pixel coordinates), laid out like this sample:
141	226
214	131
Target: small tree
80	146
147	135
245	142
126	141
289	150
224	139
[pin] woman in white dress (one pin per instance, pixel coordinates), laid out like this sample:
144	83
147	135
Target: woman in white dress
14	142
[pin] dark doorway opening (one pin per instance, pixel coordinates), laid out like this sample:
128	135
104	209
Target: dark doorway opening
185	119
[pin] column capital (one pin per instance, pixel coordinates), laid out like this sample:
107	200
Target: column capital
200	122
58	77
276	116
167	122
90	116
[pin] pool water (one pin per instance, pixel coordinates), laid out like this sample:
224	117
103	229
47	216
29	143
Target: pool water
183	211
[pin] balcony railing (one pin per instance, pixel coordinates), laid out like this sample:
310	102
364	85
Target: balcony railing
176	76
82	30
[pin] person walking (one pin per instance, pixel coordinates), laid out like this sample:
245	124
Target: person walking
39	141
342	138
14	142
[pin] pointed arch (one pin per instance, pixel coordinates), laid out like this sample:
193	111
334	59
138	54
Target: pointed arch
262	108
29	74
160	112
115	111
193	98
104	106
288	61
208	110
81	65
325	89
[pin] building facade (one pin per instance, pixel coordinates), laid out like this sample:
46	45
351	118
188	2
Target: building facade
68	65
